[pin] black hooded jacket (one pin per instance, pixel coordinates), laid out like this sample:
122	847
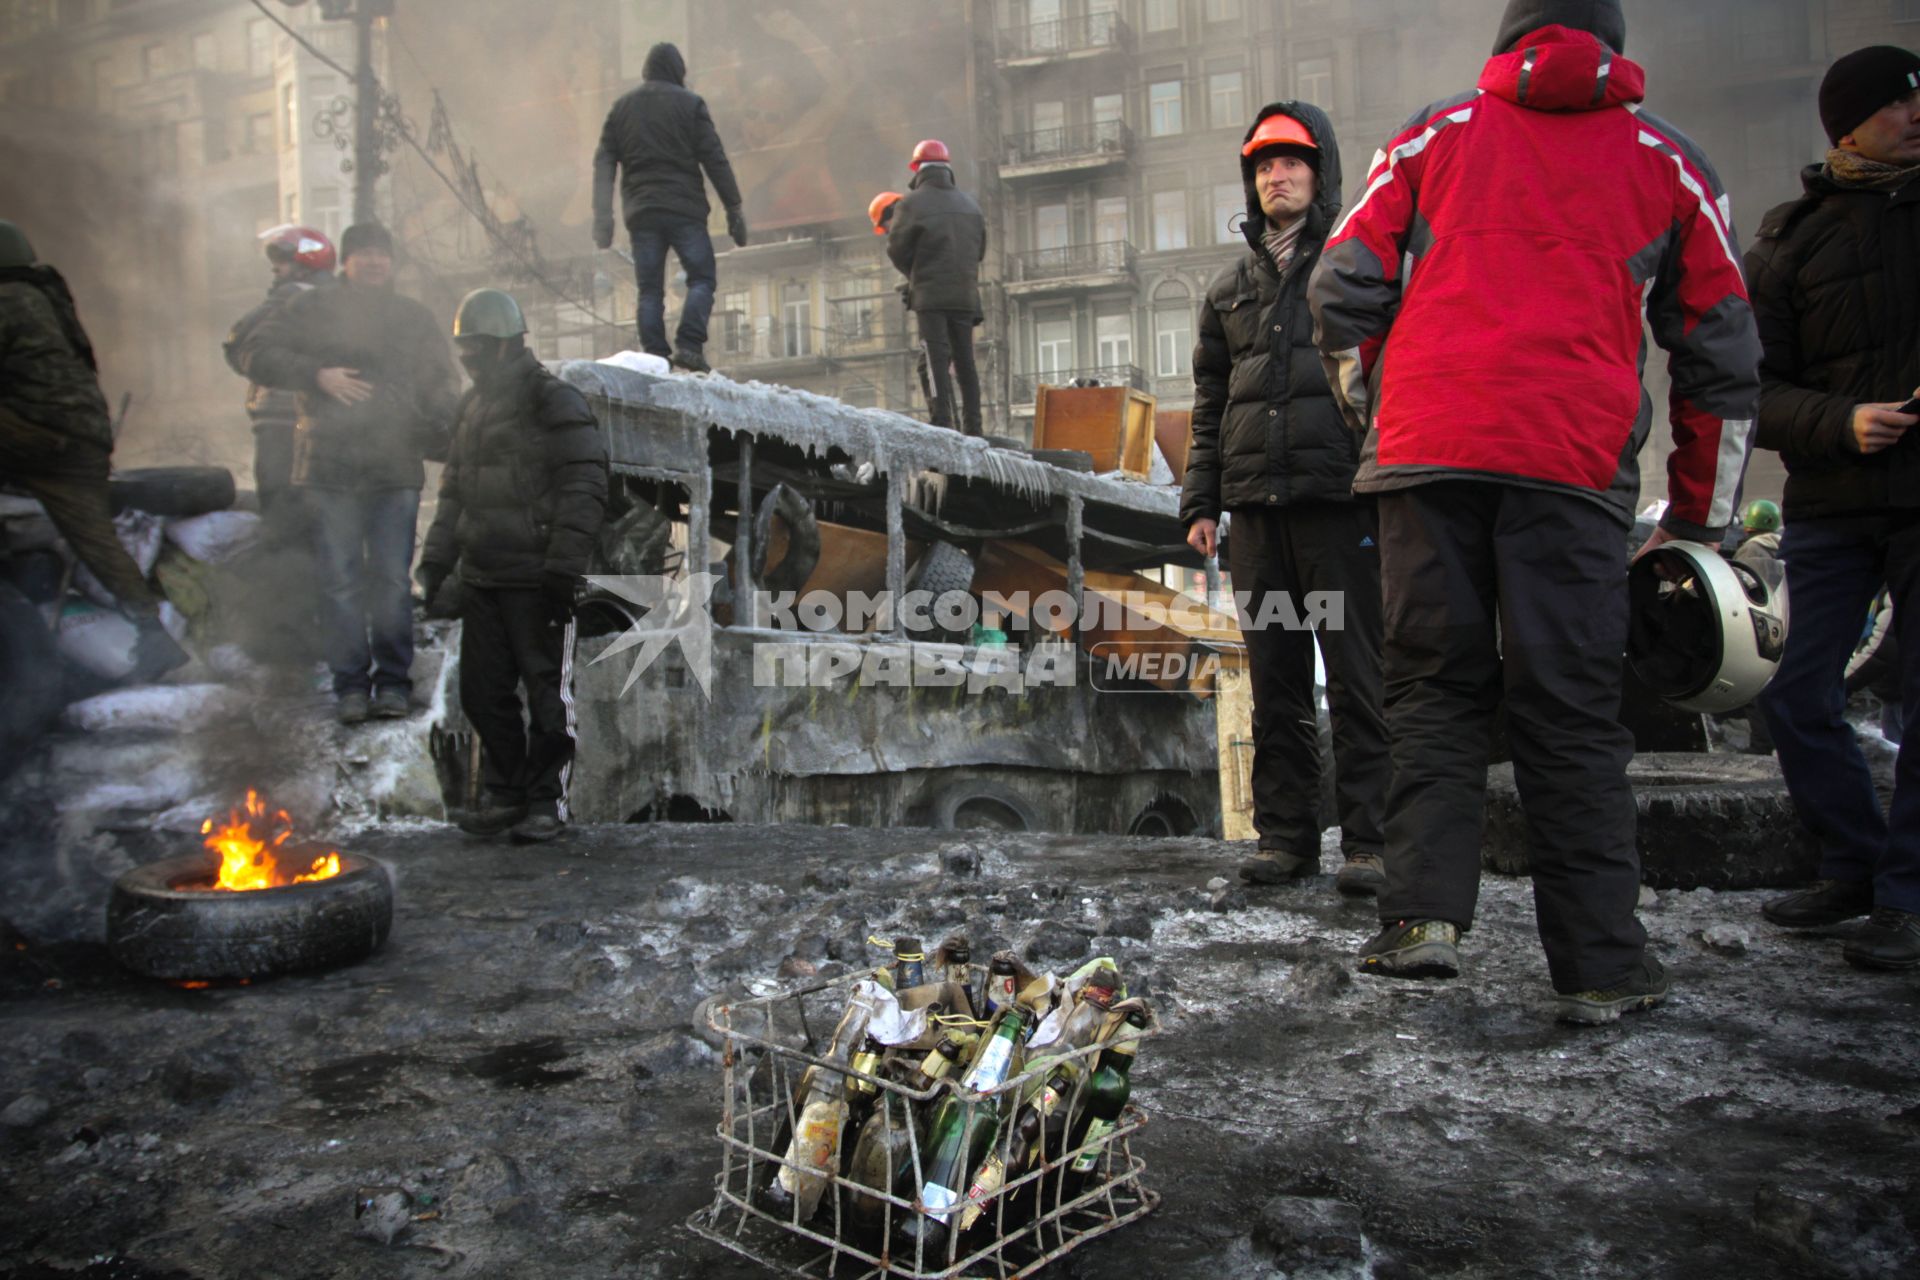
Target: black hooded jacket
660	137
1835	281
525	489
937	240
1266	429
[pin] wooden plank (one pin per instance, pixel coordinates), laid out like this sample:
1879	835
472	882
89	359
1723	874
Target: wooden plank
1173	432
1233	716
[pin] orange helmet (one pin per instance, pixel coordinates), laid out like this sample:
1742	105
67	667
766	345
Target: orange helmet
881	209
1278	130
932	151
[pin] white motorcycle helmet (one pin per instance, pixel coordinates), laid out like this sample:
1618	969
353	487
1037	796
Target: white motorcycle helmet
1707	633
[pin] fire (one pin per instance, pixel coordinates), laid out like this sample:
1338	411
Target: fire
247	858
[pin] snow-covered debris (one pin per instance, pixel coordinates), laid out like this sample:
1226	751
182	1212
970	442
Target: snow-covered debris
166	708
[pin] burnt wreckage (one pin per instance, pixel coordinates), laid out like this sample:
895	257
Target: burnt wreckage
775	490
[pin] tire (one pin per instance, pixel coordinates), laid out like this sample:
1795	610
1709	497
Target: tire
177	492
159	929
983	806
803	540
944	570
30	679
1168	817
1702	822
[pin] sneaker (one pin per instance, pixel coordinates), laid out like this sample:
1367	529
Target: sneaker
390	704
538	828
1646	987
1825	902
351	708
1363	875
1277	866
1889	940
1414	949
491	818
690	359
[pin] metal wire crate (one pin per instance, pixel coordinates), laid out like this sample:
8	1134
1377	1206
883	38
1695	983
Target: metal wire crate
1027	1223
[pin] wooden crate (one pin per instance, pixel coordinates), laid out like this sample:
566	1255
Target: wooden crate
1114	425
1173	432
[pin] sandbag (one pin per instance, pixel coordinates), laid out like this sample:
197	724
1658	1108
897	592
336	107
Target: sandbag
215	537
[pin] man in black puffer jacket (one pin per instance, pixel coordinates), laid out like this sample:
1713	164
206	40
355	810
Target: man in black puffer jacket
660	137
1271	447
937	240
521	503
1835	278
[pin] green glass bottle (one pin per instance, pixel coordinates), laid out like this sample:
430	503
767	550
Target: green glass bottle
1106	1097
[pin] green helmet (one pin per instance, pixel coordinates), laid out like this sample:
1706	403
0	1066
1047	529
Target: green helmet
489	313
15	251
1761	516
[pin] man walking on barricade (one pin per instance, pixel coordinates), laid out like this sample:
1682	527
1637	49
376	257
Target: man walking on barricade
659	138
376	394
937	240
1270	446
1481	308
56	438
521	504
1836	284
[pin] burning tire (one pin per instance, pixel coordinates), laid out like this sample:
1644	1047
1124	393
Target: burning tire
1704	822
166	920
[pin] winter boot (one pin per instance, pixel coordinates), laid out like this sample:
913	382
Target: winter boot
1890	940
1414	949
390	704
495	814
351	708
1277	866
690	359
1362	876
1646	987
539	826
1823	903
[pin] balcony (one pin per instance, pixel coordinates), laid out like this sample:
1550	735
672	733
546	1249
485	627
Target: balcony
1046	152
1026	386
1076	266
1091	35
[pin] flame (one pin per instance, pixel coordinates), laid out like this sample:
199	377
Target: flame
247	860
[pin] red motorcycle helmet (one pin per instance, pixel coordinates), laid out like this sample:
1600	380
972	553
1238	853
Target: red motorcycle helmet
306	246
931	151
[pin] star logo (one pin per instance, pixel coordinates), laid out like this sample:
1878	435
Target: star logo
664	611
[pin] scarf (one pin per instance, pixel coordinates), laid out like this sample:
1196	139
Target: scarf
1851	169
1284	242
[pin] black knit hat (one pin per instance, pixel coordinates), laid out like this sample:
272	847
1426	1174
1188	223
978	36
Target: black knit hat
365	235
1863	82
1603	18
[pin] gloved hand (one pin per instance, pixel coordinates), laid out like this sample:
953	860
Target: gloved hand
557	589
737	225
431	578
603	235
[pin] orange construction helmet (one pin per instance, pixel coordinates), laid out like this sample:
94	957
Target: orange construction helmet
1278	130
931	151
881	209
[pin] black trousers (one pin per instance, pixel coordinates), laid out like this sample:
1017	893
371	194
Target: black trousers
1295	550
948	338
511	638
1494	589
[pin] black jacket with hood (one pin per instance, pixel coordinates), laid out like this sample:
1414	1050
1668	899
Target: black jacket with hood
1266	429
660	137
937	240
1835	280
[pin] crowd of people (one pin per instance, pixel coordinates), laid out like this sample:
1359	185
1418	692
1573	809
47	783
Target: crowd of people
1429	400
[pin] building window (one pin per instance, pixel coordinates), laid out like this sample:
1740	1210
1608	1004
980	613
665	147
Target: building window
154	61
1049	128
1229	207
735	322
1313	81
1113	339
1050	227
1163	15
1109	108
1169	220
796	320
1227	98
1110	220
206	52
1172	342
258	138
323	208
259	49
1053	346
1163	108
1222	10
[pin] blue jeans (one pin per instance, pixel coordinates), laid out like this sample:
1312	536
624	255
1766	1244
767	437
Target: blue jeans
1833	572
653	234
366	550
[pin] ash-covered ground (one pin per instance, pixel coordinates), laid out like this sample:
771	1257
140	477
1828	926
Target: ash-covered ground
522	1059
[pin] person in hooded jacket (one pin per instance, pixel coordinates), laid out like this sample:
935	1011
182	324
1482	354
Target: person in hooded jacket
56	438
1836	282
1480	307
937	240
659	139
1270	446
522	500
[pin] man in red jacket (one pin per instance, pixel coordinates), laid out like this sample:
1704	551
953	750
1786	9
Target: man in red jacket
1481	308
